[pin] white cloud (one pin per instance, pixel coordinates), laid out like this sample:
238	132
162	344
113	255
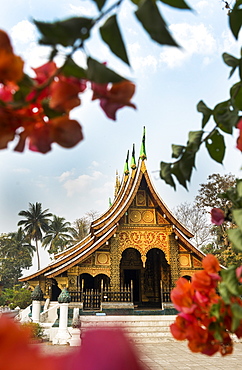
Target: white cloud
64	176
87	10
81	183
21	170
194	40
24	32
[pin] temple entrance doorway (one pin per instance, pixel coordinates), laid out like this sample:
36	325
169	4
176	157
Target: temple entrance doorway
130	271
150	281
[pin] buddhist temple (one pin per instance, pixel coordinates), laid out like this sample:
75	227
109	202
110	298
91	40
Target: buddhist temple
133	255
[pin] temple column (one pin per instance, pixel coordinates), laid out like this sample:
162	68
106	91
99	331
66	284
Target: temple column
174	259
115	266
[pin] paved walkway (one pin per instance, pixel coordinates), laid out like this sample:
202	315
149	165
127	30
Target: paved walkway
173	355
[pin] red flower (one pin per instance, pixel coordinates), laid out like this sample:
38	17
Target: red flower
239	140
217	216
114	97
183	296
211	264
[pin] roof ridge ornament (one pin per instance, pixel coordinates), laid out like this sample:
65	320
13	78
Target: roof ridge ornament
133	162
126	166
142	149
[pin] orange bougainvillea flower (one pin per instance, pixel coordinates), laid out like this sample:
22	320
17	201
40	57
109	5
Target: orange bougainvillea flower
65	132
210	264
113	97
11	66
183	296
64	96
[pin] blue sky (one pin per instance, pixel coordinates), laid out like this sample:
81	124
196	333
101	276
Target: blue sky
170	83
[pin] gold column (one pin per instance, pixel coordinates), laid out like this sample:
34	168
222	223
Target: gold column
174	259
115	265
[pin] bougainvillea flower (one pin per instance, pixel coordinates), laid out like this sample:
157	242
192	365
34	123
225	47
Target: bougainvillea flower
44	72
64	96
11	66
217	216
113	97
239	140
204	282
179	328
9	122
238	272
210	264
66	132
183	296
112	351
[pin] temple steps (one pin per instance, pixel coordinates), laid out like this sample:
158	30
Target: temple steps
140	329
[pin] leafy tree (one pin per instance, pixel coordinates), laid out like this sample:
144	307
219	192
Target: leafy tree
80	228
16	296
209	193
194	218
15	255
58	235
36	222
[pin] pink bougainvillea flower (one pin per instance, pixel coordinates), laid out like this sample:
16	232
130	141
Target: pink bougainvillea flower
217	216
238	272
239	140
114	96
112	351
210	264
204	282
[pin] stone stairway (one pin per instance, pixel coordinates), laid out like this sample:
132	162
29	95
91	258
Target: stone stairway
140	329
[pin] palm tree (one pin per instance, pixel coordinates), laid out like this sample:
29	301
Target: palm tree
14	241
35	223
58	235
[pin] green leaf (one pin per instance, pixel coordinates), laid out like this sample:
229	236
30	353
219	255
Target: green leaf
111	35
216	146
207	112
239	187
179	175
225	117
99	73
236	95
231	62
237	215
187	163
235	18
50	113
64	32
194	140
235	236
230	280
149	16
237	310
177	150
224	292
70	68
25	86
235	324
100	3
180	4
165	174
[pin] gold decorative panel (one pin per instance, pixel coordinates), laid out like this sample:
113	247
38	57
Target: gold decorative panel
88	261
150	203
141	198
185	260
182	249
143	241
161	220
142	216
196	263
102	258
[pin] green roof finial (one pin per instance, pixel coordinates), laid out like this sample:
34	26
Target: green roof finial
142	149
126	166
133	163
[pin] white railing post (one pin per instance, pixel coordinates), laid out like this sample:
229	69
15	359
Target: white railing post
63	334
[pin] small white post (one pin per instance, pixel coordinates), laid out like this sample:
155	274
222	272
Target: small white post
63	334
37	297
36	311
